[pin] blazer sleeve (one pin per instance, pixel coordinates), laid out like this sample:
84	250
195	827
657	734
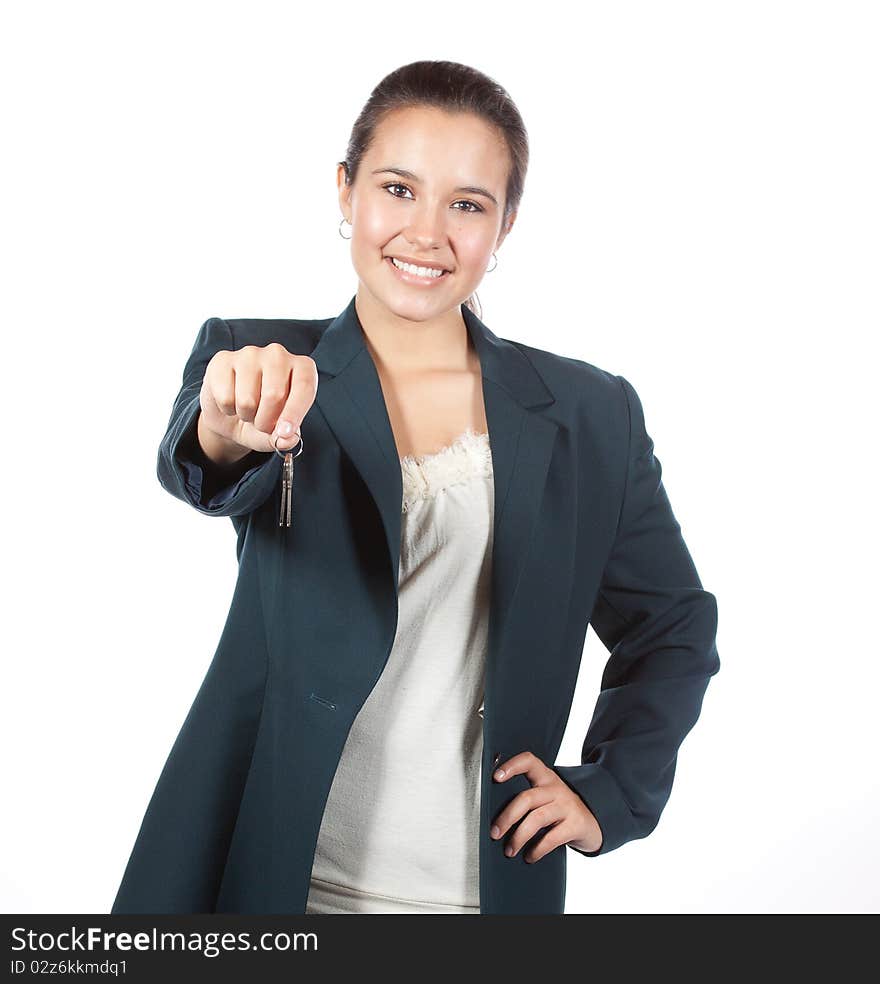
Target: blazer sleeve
183	468
659	626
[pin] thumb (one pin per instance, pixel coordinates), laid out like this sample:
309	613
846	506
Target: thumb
285	436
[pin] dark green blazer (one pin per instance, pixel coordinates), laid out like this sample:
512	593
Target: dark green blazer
583	534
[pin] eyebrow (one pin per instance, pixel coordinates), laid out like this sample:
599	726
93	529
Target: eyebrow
469	189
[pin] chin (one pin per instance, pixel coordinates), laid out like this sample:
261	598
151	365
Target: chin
409	308
411	311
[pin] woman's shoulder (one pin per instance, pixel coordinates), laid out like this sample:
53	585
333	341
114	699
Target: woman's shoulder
568	378
298	335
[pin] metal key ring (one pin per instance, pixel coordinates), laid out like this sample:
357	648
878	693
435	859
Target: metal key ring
282	454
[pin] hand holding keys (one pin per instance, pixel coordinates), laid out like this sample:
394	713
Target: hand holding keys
250	394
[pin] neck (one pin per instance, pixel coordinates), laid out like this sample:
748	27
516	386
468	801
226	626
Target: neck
399	345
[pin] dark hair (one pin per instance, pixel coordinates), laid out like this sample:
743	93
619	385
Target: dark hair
455	88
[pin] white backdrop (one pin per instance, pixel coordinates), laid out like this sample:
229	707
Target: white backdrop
700	215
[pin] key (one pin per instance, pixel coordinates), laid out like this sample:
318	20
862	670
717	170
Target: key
286	489
284	492
287	482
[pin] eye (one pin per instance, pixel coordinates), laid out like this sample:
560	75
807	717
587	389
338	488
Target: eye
474	207
395	184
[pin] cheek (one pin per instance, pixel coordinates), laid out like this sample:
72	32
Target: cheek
474	250
375	225
369	240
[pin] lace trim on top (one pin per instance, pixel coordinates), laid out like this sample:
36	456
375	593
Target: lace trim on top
424	475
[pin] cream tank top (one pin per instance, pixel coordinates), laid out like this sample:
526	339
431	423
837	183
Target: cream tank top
400	831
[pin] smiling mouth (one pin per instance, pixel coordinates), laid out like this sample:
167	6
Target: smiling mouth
411	274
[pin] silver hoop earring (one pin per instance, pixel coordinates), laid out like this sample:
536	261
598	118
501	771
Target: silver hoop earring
490	269
340	228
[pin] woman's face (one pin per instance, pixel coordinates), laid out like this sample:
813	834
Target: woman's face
446	211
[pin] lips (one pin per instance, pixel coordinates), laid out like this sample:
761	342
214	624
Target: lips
414	278
418	263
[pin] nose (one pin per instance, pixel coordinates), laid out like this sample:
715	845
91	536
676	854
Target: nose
427	228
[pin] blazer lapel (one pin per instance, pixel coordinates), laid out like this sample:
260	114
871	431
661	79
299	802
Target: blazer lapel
351	399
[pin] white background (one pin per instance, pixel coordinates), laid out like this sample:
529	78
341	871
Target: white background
700	215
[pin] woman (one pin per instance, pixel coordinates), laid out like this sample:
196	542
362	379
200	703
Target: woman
377	729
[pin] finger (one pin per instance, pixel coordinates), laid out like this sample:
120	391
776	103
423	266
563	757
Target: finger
302	391
535	821
557	836
529	799
275	383
525	763
248	384
221	384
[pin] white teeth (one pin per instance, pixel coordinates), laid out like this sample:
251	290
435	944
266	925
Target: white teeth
419	271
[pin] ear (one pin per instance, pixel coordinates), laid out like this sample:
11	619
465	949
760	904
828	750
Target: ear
344	191
505	229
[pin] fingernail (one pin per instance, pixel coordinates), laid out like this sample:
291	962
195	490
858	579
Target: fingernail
495	831
285	427
499	774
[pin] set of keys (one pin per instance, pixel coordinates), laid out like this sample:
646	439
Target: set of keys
287	480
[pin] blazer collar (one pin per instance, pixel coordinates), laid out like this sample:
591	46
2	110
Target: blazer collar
351	398
500	361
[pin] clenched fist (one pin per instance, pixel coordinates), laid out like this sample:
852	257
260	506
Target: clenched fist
252	395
